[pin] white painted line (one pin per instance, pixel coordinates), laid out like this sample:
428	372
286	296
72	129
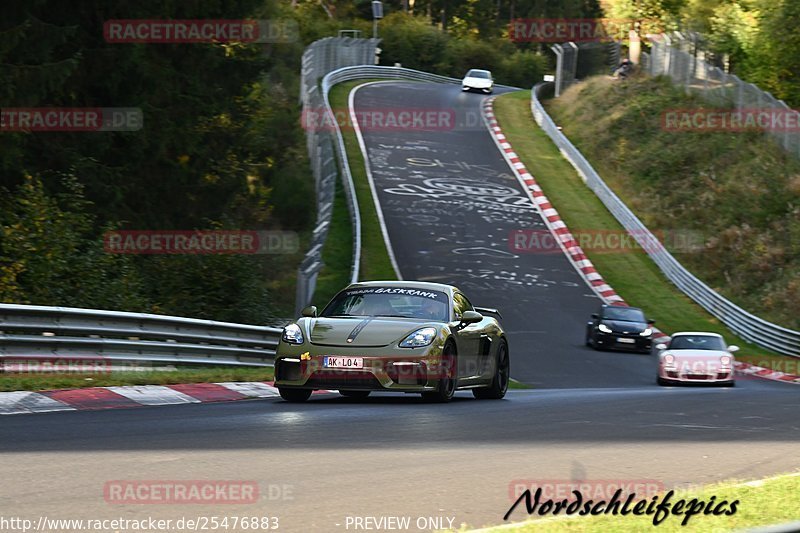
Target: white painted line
153	395
21	402
255	389
362	145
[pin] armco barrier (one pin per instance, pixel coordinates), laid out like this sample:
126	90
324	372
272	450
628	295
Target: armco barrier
746	325
31	331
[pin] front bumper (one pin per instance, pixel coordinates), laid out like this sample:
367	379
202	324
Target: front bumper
620	341
467	87
403	372
710	377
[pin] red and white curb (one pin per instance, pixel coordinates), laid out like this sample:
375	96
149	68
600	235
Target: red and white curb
97	398
765	373
570	246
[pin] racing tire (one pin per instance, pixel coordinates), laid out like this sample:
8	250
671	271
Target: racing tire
499	384
295	395
446	388
359	394
661	381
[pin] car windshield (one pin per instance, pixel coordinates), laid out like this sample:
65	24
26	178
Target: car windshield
390	302
627	314
697	342
482	74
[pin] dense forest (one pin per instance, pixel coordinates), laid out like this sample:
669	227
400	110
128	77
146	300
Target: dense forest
222	146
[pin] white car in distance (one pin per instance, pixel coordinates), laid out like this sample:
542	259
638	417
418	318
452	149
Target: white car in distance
479	80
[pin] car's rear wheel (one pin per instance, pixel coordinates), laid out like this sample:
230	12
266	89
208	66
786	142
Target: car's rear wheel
448	382
354	393
295	395
499	384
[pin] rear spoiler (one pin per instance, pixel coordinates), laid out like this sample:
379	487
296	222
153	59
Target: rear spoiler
488	310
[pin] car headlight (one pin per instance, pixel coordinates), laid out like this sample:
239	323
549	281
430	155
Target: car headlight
421	337
293	334
725	360
669	359
604	328
646	332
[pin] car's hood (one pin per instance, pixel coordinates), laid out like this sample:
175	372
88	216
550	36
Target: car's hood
363	332
477	82
698	361
622	326
696	355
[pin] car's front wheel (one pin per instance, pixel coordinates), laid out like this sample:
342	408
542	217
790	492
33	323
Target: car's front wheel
448	379
354	393
295	395
499	384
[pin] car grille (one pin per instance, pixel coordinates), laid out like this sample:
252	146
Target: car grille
343	379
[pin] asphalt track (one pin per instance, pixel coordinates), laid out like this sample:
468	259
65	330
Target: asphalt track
593	415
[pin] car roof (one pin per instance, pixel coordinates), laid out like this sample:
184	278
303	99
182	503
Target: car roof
448	289
480	70
687	333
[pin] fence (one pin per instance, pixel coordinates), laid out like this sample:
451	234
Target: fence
577	61
30	332
681	57
746	325
326	152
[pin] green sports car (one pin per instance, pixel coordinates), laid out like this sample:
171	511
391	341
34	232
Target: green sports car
411	337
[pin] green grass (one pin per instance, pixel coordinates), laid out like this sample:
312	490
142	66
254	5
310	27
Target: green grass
633	275
738	190
337	252
769	501
44	381
375	264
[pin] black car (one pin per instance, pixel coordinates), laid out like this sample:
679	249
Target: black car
619	327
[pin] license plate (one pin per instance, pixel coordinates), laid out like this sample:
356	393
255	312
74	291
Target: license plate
343	362
627	341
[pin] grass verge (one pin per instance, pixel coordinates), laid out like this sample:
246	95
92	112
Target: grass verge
337	252
632	274
760	503
37	382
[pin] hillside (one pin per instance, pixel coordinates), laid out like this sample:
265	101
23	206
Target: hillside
738	192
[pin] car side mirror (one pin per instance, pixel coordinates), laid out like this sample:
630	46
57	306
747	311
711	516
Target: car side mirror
650	321
733	348
310	311
661	346
471	317
595	316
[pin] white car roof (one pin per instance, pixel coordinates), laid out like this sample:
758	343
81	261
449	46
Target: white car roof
479	70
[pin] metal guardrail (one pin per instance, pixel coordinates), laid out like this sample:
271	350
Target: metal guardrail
30	331
320	58
746	325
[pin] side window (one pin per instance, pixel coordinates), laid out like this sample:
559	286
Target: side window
461	304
